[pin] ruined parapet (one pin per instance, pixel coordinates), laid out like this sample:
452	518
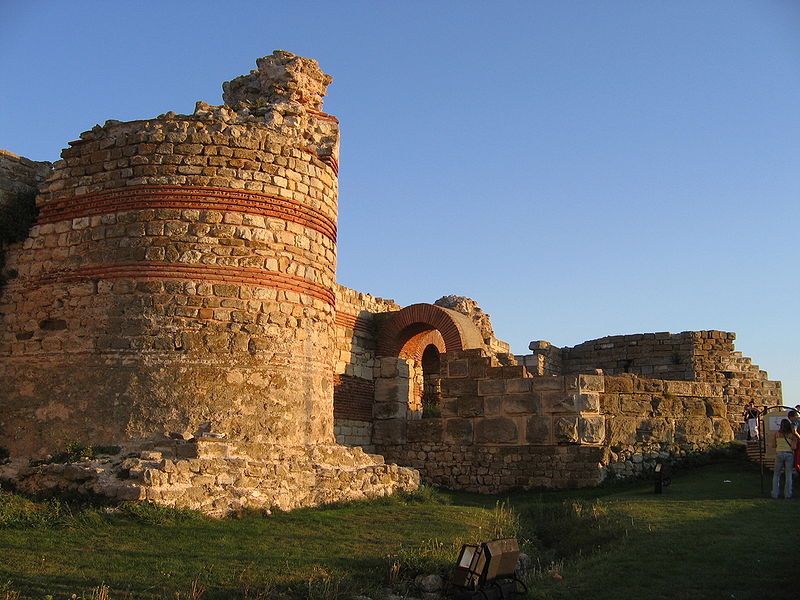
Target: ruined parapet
221	478
703	356
20	179
19	182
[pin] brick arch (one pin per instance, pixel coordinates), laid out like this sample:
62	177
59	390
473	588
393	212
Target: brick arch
403	331
414	347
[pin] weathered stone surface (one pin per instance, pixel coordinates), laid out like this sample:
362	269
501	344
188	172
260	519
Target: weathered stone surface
537	430
496	430
566	430
522	404
592	430
289	478
459	431
425	430
470	406
389	431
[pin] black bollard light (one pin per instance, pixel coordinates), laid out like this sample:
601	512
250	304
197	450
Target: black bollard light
662	477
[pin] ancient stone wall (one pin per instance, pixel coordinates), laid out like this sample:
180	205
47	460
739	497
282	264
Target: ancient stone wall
354	373
704	356
501	427
220	477
19	182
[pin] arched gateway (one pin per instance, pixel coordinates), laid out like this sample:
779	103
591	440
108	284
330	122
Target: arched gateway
416	336
406	333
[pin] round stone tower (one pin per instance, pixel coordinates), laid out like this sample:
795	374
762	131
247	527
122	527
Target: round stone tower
180	276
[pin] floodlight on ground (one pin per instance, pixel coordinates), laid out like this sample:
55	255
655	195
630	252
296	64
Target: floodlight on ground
662	477
487	571
469	567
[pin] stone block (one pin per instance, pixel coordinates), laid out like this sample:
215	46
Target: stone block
587	402
716	408
448	407
537	430
546	383
458	368
592	430
654	430
662	406
703	389
390	431
634	404
459	387
692	407
491	387
478	367
679	388
648	385
389	410
565	430
459	431
571	383
391	390
470	406
496	430
492	405
618	384
425	430
722	430
562	402
516	404
622	430
694	429
609	403
591	383
520	385
388	367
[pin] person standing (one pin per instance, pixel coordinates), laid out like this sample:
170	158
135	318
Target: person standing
751	420
784	443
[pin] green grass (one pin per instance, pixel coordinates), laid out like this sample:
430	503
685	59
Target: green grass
703	539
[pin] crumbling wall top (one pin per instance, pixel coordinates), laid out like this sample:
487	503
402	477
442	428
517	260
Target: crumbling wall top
281	77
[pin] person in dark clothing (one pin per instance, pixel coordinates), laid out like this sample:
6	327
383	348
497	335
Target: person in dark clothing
750	416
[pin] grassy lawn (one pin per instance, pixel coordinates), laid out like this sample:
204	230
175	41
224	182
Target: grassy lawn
705	538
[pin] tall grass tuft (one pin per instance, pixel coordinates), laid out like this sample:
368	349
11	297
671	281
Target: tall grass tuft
573	528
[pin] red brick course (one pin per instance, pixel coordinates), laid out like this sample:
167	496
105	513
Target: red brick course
187	197
353	398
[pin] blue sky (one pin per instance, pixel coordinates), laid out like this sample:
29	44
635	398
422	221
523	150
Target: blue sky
579	168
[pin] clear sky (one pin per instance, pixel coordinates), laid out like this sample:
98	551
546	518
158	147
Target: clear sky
580	168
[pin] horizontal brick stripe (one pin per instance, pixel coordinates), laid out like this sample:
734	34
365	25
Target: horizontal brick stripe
322	115
217	274
354	322
187	197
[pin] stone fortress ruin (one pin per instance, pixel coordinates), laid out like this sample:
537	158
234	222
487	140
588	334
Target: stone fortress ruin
169	287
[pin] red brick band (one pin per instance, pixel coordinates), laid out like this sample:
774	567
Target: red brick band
218	274
353	398
322	115
189	197
354	322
